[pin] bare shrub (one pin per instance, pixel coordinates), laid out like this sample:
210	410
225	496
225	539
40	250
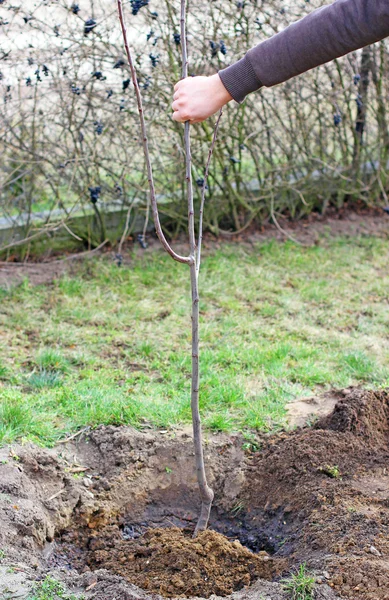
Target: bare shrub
319	139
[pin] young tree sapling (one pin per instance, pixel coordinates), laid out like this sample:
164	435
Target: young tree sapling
193	260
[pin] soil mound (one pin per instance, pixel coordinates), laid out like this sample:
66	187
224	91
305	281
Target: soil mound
172	563
363	413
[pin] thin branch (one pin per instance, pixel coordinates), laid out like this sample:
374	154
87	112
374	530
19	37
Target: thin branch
183	259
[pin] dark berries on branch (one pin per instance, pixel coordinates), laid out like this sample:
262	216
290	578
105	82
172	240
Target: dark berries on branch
45	71
75	8
126	84
150	35
99	127
357	79
136	5
214	48
75	90
94	194
177	39
109	94
154	60
359	101
89	26
337	119
98	75
119	64
223	48
28	82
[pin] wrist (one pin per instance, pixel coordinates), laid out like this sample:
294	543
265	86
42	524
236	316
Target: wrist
222	95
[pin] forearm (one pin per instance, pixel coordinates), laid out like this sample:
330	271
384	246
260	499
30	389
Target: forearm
323	35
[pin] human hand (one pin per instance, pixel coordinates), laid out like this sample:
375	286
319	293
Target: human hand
197	98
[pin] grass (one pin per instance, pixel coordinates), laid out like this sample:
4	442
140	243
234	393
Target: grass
112	345
299	586
51	589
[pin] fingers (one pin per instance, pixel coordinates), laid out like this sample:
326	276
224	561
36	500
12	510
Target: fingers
176	117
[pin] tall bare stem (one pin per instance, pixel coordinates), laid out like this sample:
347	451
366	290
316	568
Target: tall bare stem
193	260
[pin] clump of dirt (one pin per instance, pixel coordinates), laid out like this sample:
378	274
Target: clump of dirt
172	563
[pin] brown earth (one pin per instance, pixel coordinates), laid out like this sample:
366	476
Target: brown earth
318	495
174	564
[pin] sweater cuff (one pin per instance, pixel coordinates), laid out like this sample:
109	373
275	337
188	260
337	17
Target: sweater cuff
240	79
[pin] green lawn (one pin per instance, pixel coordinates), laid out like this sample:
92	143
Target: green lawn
112	345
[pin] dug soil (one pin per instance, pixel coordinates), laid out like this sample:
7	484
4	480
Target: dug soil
112	512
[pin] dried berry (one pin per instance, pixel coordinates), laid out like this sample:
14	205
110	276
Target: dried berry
337	119
119	64
94	194
109	94
45	71
28	82
99	127
136	5
214	48
150	35
98	75
223	48
126	84
89	26
154	59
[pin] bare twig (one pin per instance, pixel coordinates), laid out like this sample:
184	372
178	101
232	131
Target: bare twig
158	228
72	437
